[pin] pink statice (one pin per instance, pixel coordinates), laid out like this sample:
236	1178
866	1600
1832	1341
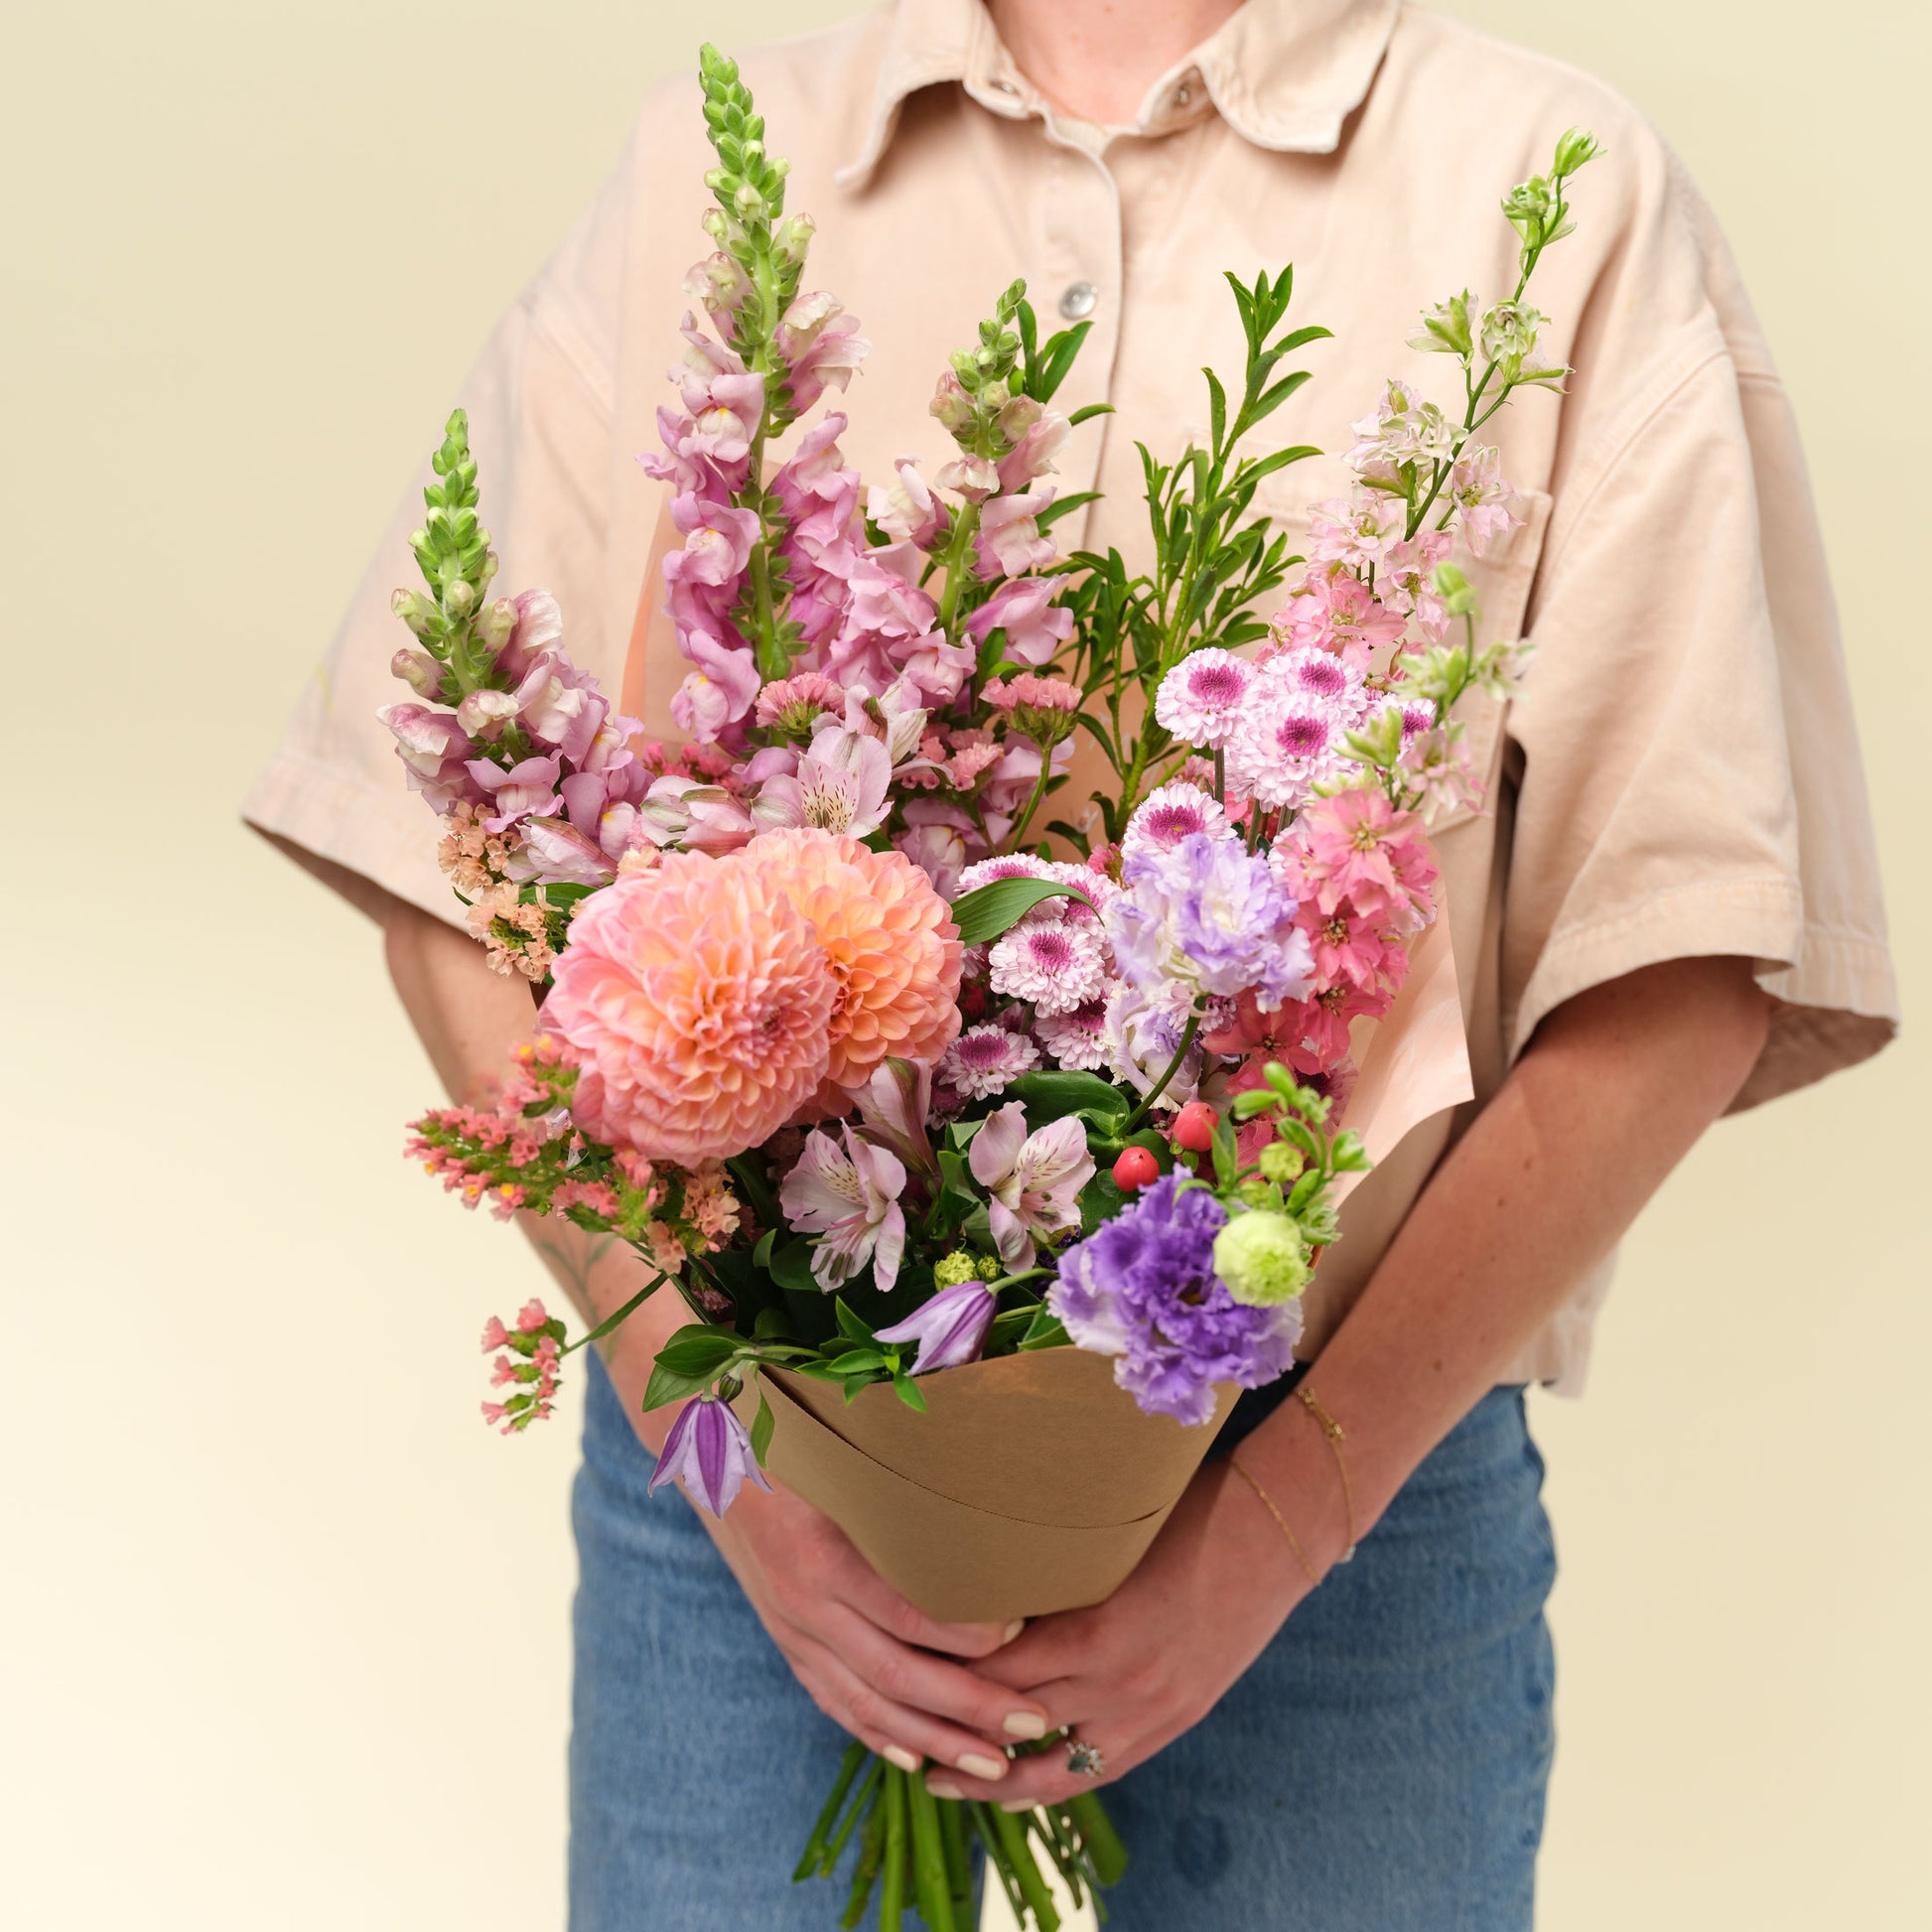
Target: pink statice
1034	1180
850	1196
1075	1040
1201	701
1175	811
984	1061
1053	965
527	1364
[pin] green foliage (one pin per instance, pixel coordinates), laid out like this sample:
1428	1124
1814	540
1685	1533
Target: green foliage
452	550
990	910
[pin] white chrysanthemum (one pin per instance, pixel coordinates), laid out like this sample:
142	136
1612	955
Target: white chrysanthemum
1289	740
1056	964
1075	1040
1201	699
1174	812
984	1058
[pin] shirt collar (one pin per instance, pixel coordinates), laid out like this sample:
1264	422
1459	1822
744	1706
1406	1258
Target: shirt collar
1282	73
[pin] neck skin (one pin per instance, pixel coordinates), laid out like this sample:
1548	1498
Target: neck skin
1096	58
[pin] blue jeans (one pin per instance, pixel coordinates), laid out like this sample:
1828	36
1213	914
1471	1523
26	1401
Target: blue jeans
1380	1768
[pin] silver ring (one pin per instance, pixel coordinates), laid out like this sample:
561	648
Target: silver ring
1083	1759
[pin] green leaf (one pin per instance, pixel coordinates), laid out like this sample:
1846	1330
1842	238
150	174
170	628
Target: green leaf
791	1266
850	1324
1060	506
907	1392
1087	411
1052	1096
698	1350
664	1387
762	1424
988	911
771	1325
1072	834
762	1254
1046	1331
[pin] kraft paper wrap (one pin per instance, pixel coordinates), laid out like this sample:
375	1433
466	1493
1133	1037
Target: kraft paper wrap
1032	1485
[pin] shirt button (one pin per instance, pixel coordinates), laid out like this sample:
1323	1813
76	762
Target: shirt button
1182	94
1079	299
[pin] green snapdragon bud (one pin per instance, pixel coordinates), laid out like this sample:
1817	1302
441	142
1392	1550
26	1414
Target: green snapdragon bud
1577	149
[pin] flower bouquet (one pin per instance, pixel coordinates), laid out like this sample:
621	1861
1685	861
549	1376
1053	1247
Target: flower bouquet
990	1152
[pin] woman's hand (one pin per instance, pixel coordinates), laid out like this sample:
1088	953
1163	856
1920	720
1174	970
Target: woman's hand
1152	1661
863	1654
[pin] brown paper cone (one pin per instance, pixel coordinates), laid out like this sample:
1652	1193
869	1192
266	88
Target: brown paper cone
1034	1483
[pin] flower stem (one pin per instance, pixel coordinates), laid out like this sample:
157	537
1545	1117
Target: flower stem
1160	1087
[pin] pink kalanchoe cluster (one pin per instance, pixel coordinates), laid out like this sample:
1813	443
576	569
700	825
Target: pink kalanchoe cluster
528	1360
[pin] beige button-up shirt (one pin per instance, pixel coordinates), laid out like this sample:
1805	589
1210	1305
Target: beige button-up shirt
1680	774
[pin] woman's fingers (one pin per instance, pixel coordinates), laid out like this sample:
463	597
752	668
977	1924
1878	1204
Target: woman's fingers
905	1736
922	1682
878	1602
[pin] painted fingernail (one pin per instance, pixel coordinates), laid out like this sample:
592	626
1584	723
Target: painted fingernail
989	1768
941	1788
1024	1723
1016	1804
904	1760
1014	1628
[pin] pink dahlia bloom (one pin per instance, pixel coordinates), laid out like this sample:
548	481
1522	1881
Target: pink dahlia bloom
697	1003
891	944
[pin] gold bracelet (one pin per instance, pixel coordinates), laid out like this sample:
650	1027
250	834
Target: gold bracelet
1267	1503
1332	1430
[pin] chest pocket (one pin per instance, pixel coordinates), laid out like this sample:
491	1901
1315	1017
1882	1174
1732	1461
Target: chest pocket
1502	581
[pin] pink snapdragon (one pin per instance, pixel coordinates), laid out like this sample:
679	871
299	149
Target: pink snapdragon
821	347
1024	607
1009	542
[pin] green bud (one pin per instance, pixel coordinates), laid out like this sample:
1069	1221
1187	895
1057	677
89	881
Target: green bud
460	599
748	199
497	622
794	237
1456	592
1577	149
1261	1258
1281	1162
963	1265
417	611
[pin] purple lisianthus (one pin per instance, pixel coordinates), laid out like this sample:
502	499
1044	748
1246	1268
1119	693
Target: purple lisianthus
1211	914
1143	1288
710	1452
950	1329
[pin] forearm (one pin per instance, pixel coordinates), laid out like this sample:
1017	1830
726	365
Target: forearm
469	1018
1608	1097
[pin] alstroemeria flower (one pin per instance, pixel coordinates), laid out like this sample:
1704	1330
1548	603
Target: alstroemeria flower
893	1104
950	1329
851	1196
710	1451
840	786
1034	1180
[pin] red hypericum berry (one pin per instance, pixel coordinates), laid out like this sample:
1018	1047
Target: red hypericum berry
1194	1127
1136	1168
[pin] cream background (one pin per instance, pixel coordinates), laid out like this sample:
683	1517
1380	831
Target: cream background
285	1629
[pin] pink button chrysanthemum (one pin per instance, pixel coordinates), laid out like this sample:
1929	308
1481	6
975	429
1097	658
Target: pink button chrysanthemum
892	943
696	1001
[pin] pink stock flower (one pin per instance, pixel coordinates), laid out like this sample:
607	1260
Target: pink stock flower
1355	845
697	1002
1487	507
1025	610
1010	543
1034	1179
1355	531
1336	611
708	1451
849	1195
